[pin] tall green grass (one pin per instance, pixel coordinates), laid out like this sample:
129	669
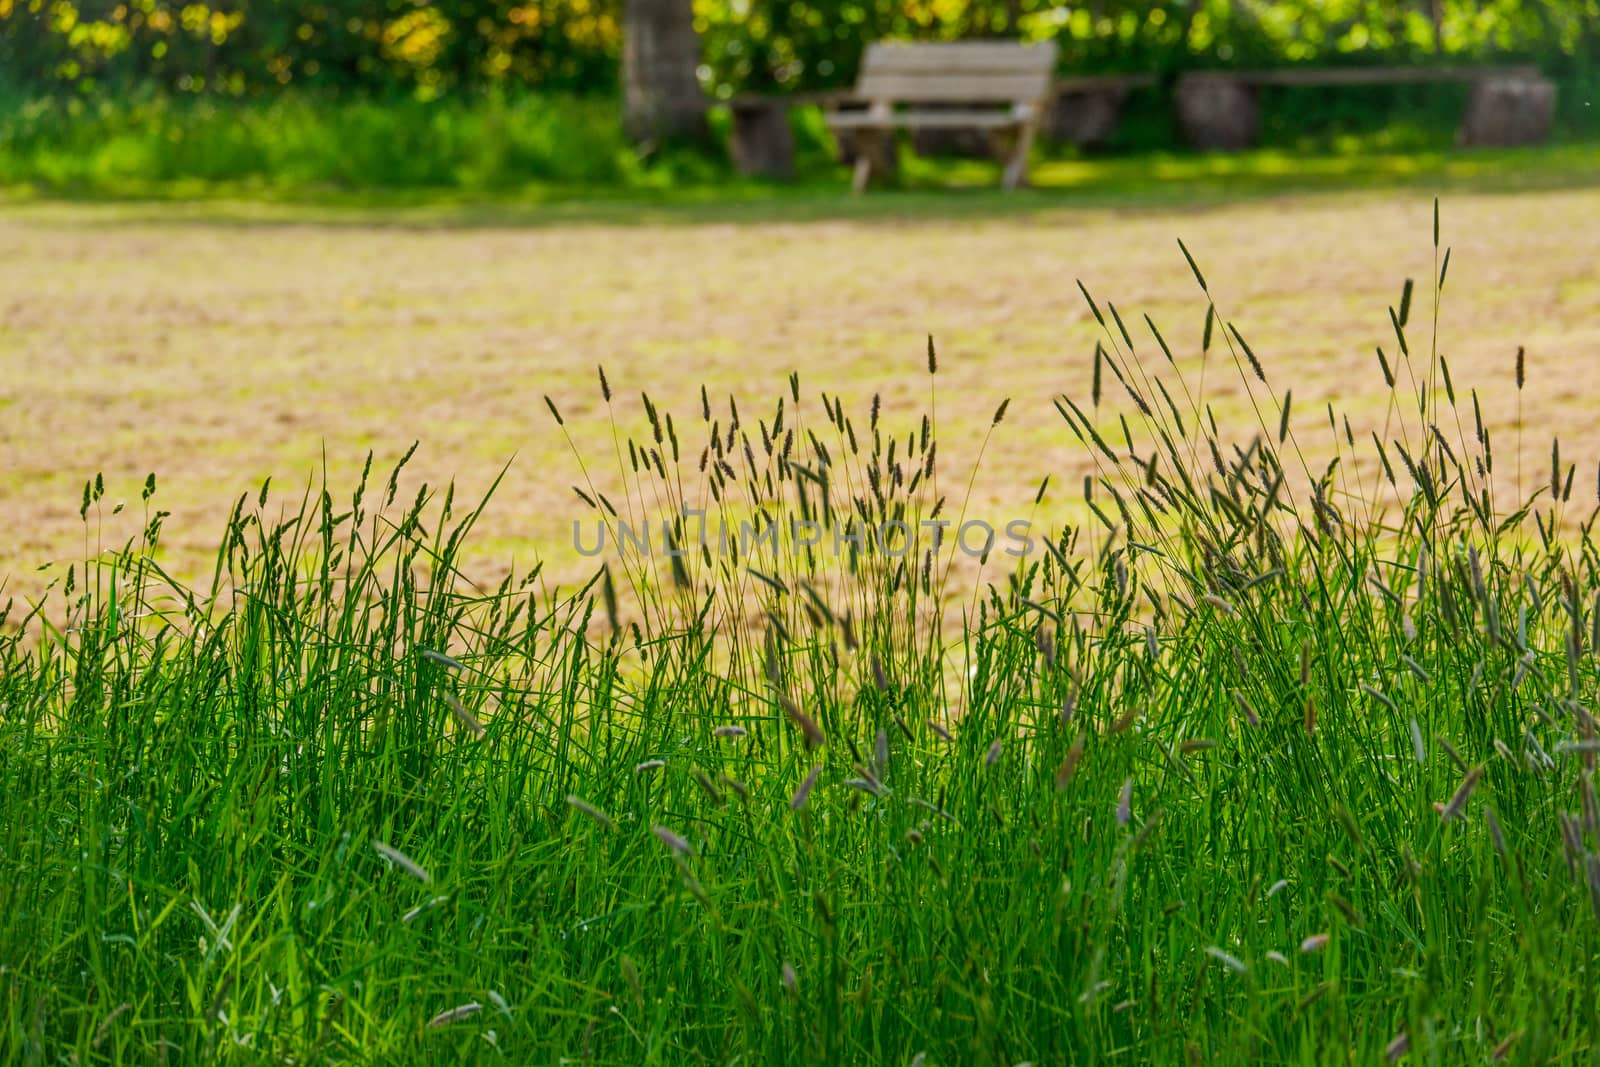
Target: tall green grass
1266	763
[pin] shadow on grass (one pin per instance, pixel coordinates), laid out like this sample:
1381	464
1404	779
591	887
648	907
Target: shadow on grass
929	190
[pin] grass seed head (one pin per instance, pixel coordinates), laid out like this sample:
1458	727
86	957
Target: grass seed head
468	720
454	1015
1458	801
1227	959
401	860
804	723
590	812
802	794
673	841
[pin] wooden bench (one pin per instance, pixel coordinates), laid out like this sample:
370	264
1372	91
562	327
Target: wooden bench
1508	105
999	87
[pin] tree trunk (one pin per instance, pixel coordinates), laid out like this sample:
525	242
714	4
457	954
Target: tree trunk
661	95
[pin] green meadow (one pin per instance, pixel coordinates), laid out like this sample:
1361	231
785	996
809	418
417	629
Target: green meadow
1284	753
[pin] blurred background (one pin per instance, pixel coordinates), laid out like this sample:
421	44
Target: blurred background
132	95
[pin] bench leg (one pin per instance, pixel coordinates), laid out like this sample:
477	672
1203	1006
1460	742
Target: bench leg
1015	174
875	157
863	166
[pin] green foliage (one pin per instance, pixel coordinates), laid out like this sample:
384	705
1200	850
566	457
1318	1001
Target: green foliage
1261	764
433	46
298	140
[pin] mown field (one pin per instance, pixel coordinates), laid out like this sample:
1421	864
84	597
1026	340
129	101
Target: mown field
222	344
1282	749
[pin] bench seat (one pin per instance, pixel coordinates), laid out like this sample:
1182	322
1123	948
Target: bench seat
914	120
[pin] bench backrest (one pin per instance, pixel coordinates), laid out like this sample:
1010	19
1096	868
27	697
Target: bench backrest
988	72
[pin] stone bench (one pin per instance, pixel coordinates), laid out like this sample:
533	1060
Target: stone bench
1508	106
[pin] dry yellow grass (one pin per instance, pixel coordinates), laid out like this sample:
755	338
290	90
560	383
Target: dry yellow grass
216	353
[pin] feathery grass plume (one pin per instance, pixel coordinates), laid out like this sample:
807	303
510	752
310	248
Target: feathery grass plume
1571	839
1591	804
1228	960
1069	703
1397	1047
1249	354
1496	835
1093	307
1000	412
1592	877
1125	720
1125	803
879	678
776	584
933	358
1347	909
801	794
1193	267
1383	363
551	404
673	841
1458	800
865	785
790	980
605	386
1417	747
1069	764
940	732
649	765
1245	706
589	811
707	786
1314	943
1218	603
847	631
401	860
455	1015
1405	302
441	659
1499	1053
992	756
425	906
1399	334
468	720
103	1031
732	732
804	723
1522	368
608	592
